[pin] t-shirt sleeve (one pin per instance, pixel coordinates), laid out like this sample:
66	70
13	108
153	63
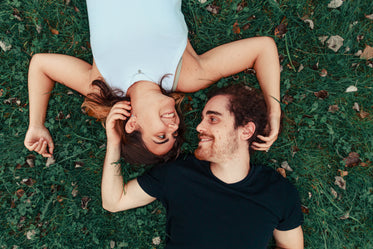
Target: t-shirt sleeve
153	181
293	216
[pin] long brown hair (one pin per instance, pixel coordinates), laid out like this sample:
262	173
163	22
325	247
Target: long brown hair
133	149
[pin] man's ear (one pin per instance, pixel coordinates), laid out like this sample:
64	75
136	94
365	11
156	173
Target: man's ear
248	130
131	125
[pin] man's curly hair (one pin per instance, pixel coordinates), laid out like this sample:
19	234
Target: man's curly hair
247	105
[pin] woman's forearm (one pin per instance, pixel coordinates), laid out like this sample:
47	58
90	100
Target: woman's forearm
112	186
39	87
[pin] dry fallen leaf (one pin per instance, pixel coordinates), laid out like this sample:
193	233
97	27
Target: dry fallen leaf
54	31
301	67
363	114
28	181
4	46
342	172
287	99
356	107
369	16
50	161
30	234
310	22
340	182
112	244
335	42
20	192
84	202
322	94
281	30
345	216
285	165
213	8
335	4
30	159
79	164
323	73
333	108
353	159
305	209
351	89
236	28
334	193
367	53
323	39
156	240
281	171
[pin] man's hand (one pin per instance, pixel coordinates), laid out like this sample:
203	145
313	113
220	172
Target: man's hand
39	139
120	111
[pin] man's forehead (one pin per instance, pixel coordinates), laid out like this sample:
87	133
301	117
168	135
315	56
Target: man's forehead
216	105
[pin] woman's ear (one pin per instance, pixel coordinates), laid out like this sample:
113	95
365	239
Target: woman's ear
131	125
248	130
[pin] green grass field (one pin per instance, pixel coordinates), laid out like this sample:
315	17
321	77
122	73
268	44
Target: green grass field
327	131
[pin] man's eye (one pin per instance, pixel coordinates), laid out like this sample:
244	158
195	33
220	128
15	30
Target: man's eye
212	119
161	136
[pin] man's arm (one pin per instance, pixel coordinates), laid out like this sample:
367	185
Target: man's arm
291	239
115	195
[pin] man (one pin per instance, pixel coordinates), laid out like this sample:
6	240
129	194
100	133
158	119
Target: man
222	201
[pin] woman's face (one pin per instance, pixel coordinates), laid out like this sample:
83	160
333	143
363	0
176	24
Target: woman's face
158	122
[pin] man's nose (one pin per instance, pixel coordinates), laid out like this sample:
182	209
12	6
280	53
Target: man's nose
200	127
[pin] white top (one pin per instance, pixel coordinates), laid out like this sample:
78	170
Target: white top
137	40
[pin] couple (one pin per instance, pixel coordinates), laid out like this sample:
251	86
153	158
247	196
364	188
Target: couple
141	53
216	198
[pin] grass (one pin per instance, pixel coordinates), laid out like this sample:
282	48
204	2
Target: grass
46	207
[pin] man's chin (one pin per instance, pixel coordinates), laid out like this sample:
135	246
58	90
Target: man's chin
200	154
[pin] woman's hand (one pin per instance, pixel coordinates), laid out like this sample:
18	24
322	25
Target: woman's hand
274	125
119	111
39	139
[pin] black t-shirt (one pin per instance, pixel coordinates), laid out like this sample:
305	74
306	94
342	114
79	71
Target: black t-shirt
204	212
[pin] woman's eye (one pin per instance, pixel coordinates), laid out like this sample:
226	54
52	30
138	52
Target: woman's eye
175	134
162	136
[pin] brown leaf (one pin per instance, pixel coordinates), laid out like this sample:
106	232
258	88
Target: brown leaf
363	114
333	108
352	160
323	73
213	9
20	192
321	94
287	99
334	193
281	171
60	116
305	209
367	53
54	31
342	173
345	216
236	28
281	30
28	181
84	202
79	164
246	26
340	182
30	159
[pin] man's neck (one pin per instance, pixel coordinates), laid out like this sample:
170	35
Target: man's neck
233	169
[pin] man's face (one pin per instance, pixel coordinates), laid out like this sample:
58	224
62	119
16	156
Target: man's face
218	140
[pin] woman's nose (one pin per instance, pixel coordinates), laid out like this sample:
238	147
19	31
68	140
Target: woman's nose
173	126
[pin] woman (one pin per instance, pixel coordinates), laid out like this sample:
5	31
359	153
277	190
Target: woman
134	46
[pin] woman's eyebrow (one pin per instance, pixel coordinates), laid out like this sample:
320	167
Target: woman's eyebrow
162	142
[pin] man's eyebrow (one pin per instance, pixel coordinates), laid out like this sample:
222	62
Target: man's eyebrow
214	113
162	142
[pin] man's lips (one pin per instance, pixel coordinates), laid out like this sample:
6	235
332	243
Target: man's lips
205	138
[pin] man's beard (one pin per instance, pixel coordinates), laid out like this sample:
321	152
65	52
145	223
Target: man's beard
216	153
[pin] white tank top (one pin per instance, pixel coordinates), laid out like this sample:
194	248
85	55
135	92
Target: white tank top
137	40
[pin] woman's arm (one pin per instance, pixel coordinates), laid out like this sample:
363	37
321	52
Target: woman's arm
115	195
44	71
260	53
